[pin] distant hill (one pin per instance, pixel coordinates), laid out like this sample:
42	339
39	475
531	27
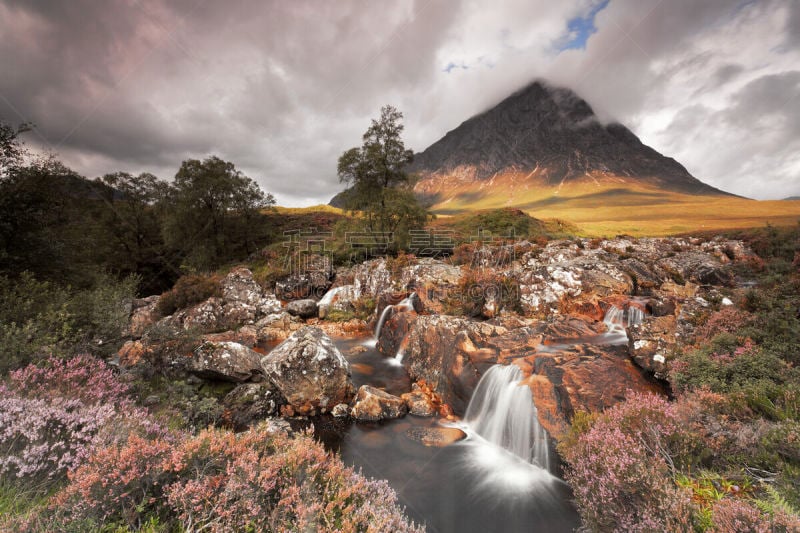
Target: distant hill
792	198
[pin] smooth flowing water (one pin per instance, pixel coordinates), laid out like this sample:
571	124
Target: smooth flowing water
503	413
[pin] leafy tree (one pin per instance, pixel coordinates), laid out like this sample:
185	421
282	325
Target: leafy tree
379	186
133	212
213	212
11	148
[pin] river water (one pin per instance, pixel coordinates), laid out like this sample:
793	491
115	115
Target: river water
470	486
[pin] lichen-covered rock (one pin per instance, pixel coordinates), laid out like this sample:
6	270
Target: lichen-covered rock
227	361
312	284
651	343
251	402
310	371
243	301
374	404
306	308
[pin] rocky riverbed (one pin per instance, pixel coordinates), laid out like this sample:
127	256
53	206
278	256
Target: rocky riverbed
591	320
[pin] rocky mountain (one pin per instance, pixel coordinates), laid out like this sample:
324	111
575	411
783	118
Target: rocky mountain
545	136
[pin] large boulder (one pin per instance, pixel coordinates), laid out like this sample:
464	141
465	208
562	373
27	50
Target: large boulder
442	351
310	371
374	404
226	361
306	308
243	301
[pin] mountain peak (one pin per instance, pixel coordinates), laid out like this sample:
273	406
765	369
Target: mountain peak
552	136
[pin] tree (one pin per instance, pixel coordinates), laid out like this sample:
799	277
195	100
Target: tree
11	148
132	215
379	186
213	210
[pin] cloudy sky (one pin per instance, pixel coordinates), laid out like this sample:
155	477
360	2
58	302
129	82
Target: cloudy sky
283	88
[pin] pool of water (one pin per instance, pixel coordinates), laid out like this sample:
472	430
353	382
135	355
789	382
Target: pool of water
468	486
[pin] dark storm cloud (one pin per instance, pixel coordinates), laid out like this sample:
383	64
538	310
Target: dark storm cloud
282	88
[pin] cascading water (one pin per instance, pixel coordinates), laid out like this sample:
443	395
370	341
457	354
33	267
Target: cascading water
502	412
634	316
616	320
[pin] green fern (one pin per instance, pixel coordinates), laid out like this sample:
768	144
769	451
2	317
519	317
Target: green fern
775	503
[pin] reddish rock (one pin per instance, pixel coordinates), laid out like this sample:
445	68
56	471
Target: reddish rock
437	437
144	315
131	354
374	404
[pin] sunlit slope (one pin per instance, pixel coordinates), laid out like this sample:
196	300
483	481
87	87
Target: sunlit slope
614	205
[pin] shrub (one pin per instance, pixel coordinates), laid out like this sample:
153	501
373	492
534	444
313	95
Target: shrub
727	320
52	416
479	288
621	469
736	514
222	481
188	290
39	318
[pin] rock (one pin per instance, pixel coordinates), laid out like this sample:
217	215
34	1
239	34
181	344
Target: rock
372	278
726	301
243	301
246	335
251	402
650	342
374	404
132	353
303	286
310	372
436	436
338	298
421	402
449	354
151	400
306	308
227	361
340	410
661	306
144	315
276	327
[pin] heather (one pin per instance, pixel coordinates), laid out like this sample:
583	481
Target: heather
724	454
77	454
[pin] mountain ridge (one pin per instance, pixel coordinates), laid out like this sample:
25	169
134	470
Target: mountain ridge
551	134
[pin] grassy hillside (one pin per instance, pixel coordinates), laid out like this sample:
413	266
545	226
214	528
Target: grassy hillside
611	207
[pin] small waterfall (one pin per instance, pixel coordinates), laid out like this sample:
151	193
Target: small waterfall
381	320
616	320
635	316
502	412
407	304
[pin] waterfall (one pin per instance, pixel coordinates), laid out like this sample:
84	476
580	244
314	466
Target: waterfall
634	316
616	320
381	320
407	304
502	412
